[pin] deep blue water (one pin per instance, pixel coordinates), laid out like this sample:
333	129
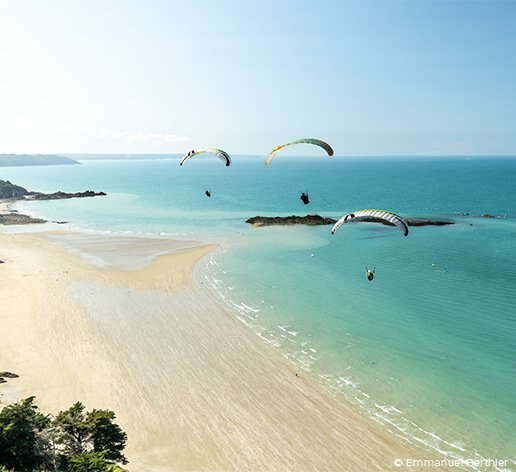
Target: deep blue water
428	348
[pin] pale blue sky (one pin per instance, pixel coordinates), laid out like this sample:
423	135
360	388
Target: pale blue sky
414	77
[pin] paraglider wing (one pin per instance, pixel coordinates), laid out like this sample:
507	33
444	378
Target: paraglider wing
381	214
317	142
224	156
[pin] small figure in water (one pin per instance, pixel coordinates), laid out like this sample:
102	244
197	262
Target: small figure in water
370	274
208	193
304	198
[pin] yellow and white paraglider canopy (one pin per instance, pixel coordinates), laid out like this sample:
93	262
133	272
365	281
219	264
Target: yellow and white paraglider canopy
381	214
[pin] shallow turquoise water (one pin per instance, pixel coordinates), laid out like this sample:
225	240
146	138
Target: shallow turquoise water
428	348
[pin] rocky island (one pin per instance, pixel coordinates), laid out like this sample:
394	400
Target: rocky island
60	195
484	215
315	220
310	219
14	192
11	193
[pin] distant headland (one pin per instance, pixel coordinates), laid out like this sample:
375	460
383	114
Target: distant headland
17	160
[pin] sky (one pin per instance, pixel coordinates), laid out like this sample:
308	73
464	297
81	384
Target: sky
385	77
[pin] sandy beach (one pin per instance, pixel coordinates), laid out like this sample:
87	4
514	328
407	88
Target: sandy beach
120	323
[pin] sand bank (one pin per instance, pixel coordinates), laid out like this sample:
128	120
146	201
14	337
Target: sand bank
4	206
193	387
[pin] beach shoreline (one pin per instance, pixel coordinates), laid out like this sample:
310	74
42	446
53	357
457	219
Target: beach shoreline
191	385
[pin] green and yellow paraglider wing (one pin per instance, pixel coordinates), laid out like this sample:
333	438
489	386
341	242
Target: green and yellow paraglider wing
222	155
316	142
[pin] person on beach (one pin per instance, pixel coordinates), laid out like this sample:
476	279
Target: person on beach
207	192
304	198
370	274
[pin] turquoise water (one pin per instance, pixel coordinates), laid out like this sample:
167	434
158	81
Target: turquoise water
428	348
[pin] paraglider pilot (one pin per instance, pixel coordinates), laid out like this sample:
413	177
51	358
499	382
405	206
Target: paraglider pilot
304	198
207	192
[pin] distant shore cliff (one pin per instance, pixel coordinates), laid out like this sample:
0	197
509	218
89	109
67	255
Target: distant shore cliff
17	160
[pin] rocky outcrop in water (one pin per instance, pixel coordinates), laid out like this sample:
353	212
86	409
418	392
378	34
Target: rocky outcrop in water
61	195
311	219
12	193
315	220
485	215
19	219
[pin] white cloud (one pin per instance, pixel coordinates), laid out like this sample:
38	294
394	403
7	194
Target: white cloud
170	138
107	133
140	136
71	129
23	136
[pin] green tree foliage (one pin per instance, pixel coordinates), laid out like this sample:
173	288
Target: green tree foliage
106	435
74	430
95	430
92	462
76	441
21	448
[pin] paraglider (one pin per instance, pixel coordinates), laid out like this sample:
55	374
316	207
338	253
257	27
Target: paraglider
317	142
370	273
223	155
380	214
304	198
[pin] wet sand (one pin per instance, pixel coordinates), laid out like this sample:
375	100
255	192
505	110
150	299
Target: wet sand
99	319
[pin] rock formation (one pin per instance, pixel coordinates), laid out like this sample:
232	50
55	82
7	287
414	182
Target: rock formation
7	375
11	192
485	215
310	219
313	220
60	195
19	219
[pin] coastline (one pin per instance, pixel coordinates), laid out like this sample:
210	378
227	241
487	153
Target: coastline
193	388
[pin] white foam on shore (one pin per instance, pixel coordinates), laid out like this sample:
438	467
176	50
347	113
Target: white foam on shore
32	228
290	342
301	356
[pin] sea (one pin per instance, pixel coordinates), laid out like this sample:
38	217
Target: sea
427	349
